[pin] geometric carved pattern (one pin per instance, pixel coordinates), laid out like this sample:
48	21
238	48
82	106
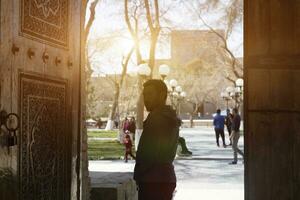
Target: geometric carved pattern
46	21
45	148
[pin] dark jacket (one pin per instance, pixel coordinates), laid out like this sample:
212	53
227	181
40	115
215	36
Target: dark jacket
157	147
132	127
236	123
228	120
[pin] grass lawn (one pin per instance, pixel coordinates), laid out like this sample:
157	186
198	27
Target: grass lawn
105	149
103	134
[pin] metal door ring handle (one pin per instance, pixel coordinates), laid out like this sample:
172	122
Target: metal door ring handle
7	122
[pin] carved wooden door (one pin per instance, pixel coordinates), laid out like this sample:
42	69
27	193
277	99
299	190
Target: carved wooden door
39	82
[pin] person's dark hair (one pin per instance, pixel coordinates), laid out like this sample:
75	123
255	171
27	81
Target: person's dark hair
218	111
227	110
159	85
235	110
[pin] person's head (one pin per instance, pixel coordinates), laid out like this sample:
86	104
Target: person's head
218	111
155	94
235	111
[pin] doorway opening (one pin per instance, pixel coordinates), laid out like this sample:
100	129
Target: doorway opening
196	47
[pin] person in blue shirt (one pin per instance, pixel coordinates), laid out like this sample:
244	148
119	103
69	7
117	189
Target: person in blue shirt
219	122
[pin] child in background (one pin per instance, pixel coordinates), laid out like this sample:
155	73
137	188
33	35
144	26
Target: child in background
128	147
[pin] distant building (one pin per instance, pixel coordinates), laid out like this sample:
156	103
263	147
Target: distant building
187	45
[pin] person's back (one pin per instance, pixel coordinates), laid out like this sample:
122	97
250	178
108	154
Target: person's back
157	147
219	121
154	171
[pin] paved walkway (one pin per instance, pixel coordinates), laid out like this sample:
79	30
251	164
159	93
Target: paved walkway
205	175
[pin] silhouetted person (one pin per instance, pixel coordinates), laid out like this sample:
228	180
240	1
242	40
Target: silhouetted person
219	121
154	171
128	147
235	135
228	123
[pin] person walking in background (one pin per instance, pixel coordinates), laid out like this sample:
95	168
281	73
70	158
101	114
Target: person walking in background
132	127
228	123
235	135
218	122
154	171
128	147
99	123
126	125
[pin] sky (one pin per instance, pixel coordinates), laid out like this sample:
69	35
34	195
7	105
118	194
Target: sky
110	21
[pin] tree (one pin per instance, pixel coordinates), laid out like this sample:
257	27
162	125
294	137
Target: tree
133	14
132	18
88	69
201	82
118	85
154	27
231	17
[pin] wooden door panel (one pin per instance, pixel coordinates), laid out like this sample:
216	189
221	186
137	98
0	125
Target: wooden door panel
44	146
272	70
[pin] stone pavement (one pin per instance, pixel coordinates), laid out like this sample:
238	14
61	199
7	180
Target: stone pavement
205	175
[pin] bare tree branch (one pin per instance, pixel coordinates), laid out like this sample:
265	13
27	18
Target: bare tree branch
91	19
233	60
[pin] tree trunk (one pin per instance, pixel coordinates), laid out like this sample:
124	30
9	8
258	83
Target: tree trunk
110	120
192	120
154	38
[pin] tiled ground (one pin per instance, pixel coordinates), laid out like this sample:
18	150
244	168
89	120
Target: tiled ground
205	175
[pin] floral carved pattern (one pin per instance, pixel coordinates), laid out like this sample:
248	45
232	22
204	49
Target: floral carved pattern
44	160
46	21
48	6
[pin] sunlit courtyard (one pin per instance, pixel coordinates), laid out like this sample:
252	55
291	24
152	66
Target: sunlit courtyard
206	174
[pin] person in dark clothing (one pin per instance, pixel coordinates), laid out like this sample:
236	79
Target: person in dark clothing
236	123
132	126
219	121
125	124
154	171
184	149
99	123
228	122
128	147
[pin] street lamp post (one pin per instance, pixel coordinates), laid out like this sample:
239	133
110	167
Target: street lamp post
164	71
239	83
234	93
225	97
176	94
